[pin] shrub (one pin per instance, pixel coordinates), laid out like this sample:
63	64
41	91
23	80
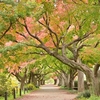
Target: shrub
30	86
85	94
5	85
37	86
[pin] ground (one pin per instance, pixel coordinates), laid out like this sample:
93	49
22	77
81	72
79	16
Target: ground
49	92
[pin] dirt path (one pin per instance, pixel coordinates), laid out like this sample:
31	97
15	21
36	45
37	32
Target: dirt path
49	92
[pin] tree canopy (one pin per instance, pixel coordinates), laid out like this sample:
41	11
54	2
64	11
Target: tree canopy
65	29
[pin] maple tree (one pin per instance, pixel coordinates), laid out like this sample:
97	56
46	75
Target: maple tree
18	62
69	26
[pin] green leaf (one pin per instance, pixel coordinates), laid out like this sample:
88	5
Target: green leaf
10	37
48	6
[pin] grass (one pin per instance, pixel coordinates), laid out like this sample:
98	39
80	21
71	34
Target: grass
72	91
10	97
93	97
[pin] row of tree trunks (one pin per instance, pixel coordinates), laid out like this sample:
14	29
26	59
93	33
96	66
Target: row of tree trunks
37	81
32	78
68	81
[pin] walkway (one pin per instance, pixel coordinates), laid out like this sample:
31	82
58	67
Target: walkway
49	92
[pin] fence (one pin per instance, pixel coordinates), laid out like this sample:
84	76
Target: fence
15	93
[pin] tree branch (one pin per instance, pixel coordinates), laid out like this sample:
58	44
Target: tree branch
81	46
33	36
75	2
53	69
6	31
97	44
46	25
17	76
21	34
49	31
79	39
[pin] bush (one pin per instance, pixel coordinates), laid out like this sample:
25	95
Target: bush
30	86
37	86
85	94
5	85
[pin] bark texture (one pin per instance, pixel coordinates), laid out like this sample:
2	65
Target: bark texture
80	81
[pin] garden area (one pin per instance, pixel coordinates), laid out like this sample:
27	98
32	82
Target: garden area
49	42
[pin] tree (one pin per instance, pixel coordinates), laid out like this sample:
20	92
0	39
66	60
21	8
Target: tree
17	62
63	72
68	28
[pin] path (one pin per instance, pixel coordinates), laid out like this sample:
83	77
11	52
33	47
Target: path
49	92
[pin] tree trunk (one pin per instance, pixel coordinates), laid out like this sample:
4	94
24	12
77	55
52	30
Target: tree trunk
64	80
80	81
96	86
70	83
30	77
59	78
22	82
94	79
39	83
71	78
42	82
35	80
